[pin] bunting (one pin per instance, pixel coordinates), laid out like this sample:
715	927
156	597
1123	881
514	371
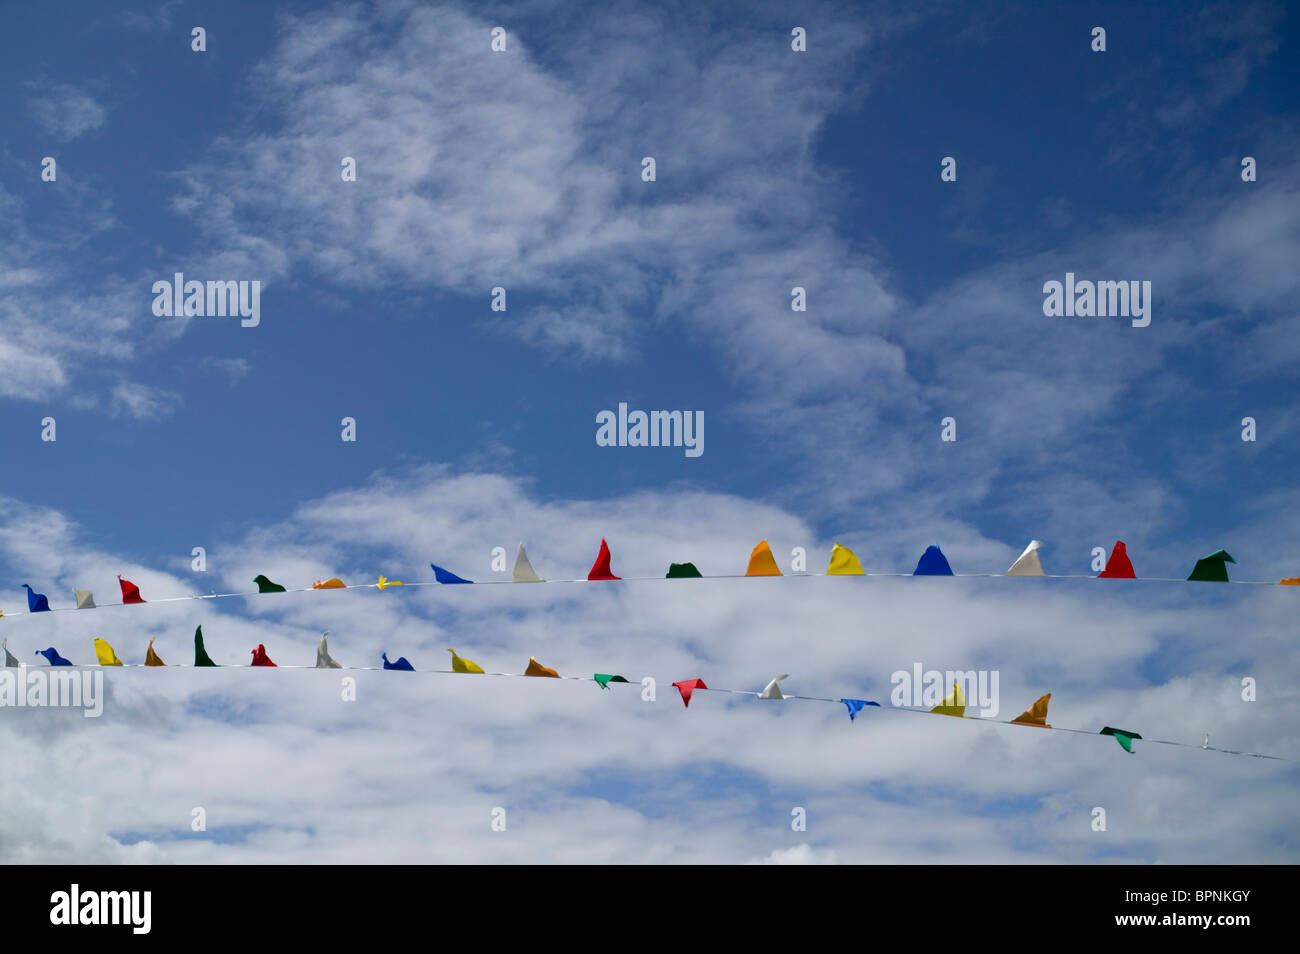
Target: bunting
600	570
446	576
200	654
932	563
1123	736
266	586
1035	714
151	657
260	658
1027	564
130	592
855	706
523	571
1118	566
333	583
52	657
104	653
772	690
85	599
682	571
401	664
688	686
537	669
10	659
36	602
844	562
323	658
463	665
761	561
603	679
1212	568
954	703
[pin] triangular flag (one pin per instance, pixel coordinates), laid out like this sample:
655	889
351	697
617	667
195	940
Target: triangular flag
603	679
400	664
200	654
463	665
682	571
333	583
260	658
36	602
1123	736
151	657
323	658
686	687
855	706
932	563
52	657
844	562
266	586
600	570
384	582
1027	564
1118	566
446	576
1035	714
537	669
523	571
1289	581
1212	568
104	653
772	690
130	592
761	561
85	599
10	660
954	703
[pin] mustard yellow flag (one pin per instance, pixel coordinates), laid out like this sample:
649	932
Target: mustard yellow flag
761	561
954	703
105	653
1035	714
463	665
151	657
844	562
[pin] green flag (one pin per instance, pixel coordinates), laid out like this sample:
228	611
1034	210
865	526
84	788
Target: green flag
1212	568
682	571
1123	736
266	586
200	654
603	679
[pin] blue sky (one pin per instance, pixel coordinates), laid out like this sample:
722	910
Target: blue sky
774	169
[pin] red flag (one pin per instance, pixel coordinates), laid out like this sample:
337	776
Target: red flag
600	569
260	658
1118	566
130	592
687	686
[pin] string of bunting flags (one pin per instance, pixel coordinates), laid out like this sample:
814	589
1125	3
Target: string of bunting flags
953	704
762	563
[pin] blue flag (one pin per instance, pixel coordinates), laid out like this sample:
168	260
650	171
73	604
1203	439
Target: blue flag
400	664
36	602
446	576
932	563
52	655
855	706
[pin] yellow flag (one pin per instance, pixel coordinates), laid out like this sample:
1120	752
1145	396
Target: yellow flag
105	653
151	657
761	561
383	582
954	704
844	562
463	665
1035	714
537	669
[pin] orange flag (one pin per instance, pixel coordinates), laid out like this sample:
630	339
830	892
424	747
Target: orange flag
333	583
1035	714
761	562
537	669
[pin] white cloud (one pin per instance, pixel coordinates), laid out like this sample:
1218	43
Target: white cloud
63	111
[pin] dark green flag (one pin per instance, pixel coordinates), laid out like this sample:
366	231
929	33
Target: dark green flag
1212	568
681	571
603	679
266	586
200	654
